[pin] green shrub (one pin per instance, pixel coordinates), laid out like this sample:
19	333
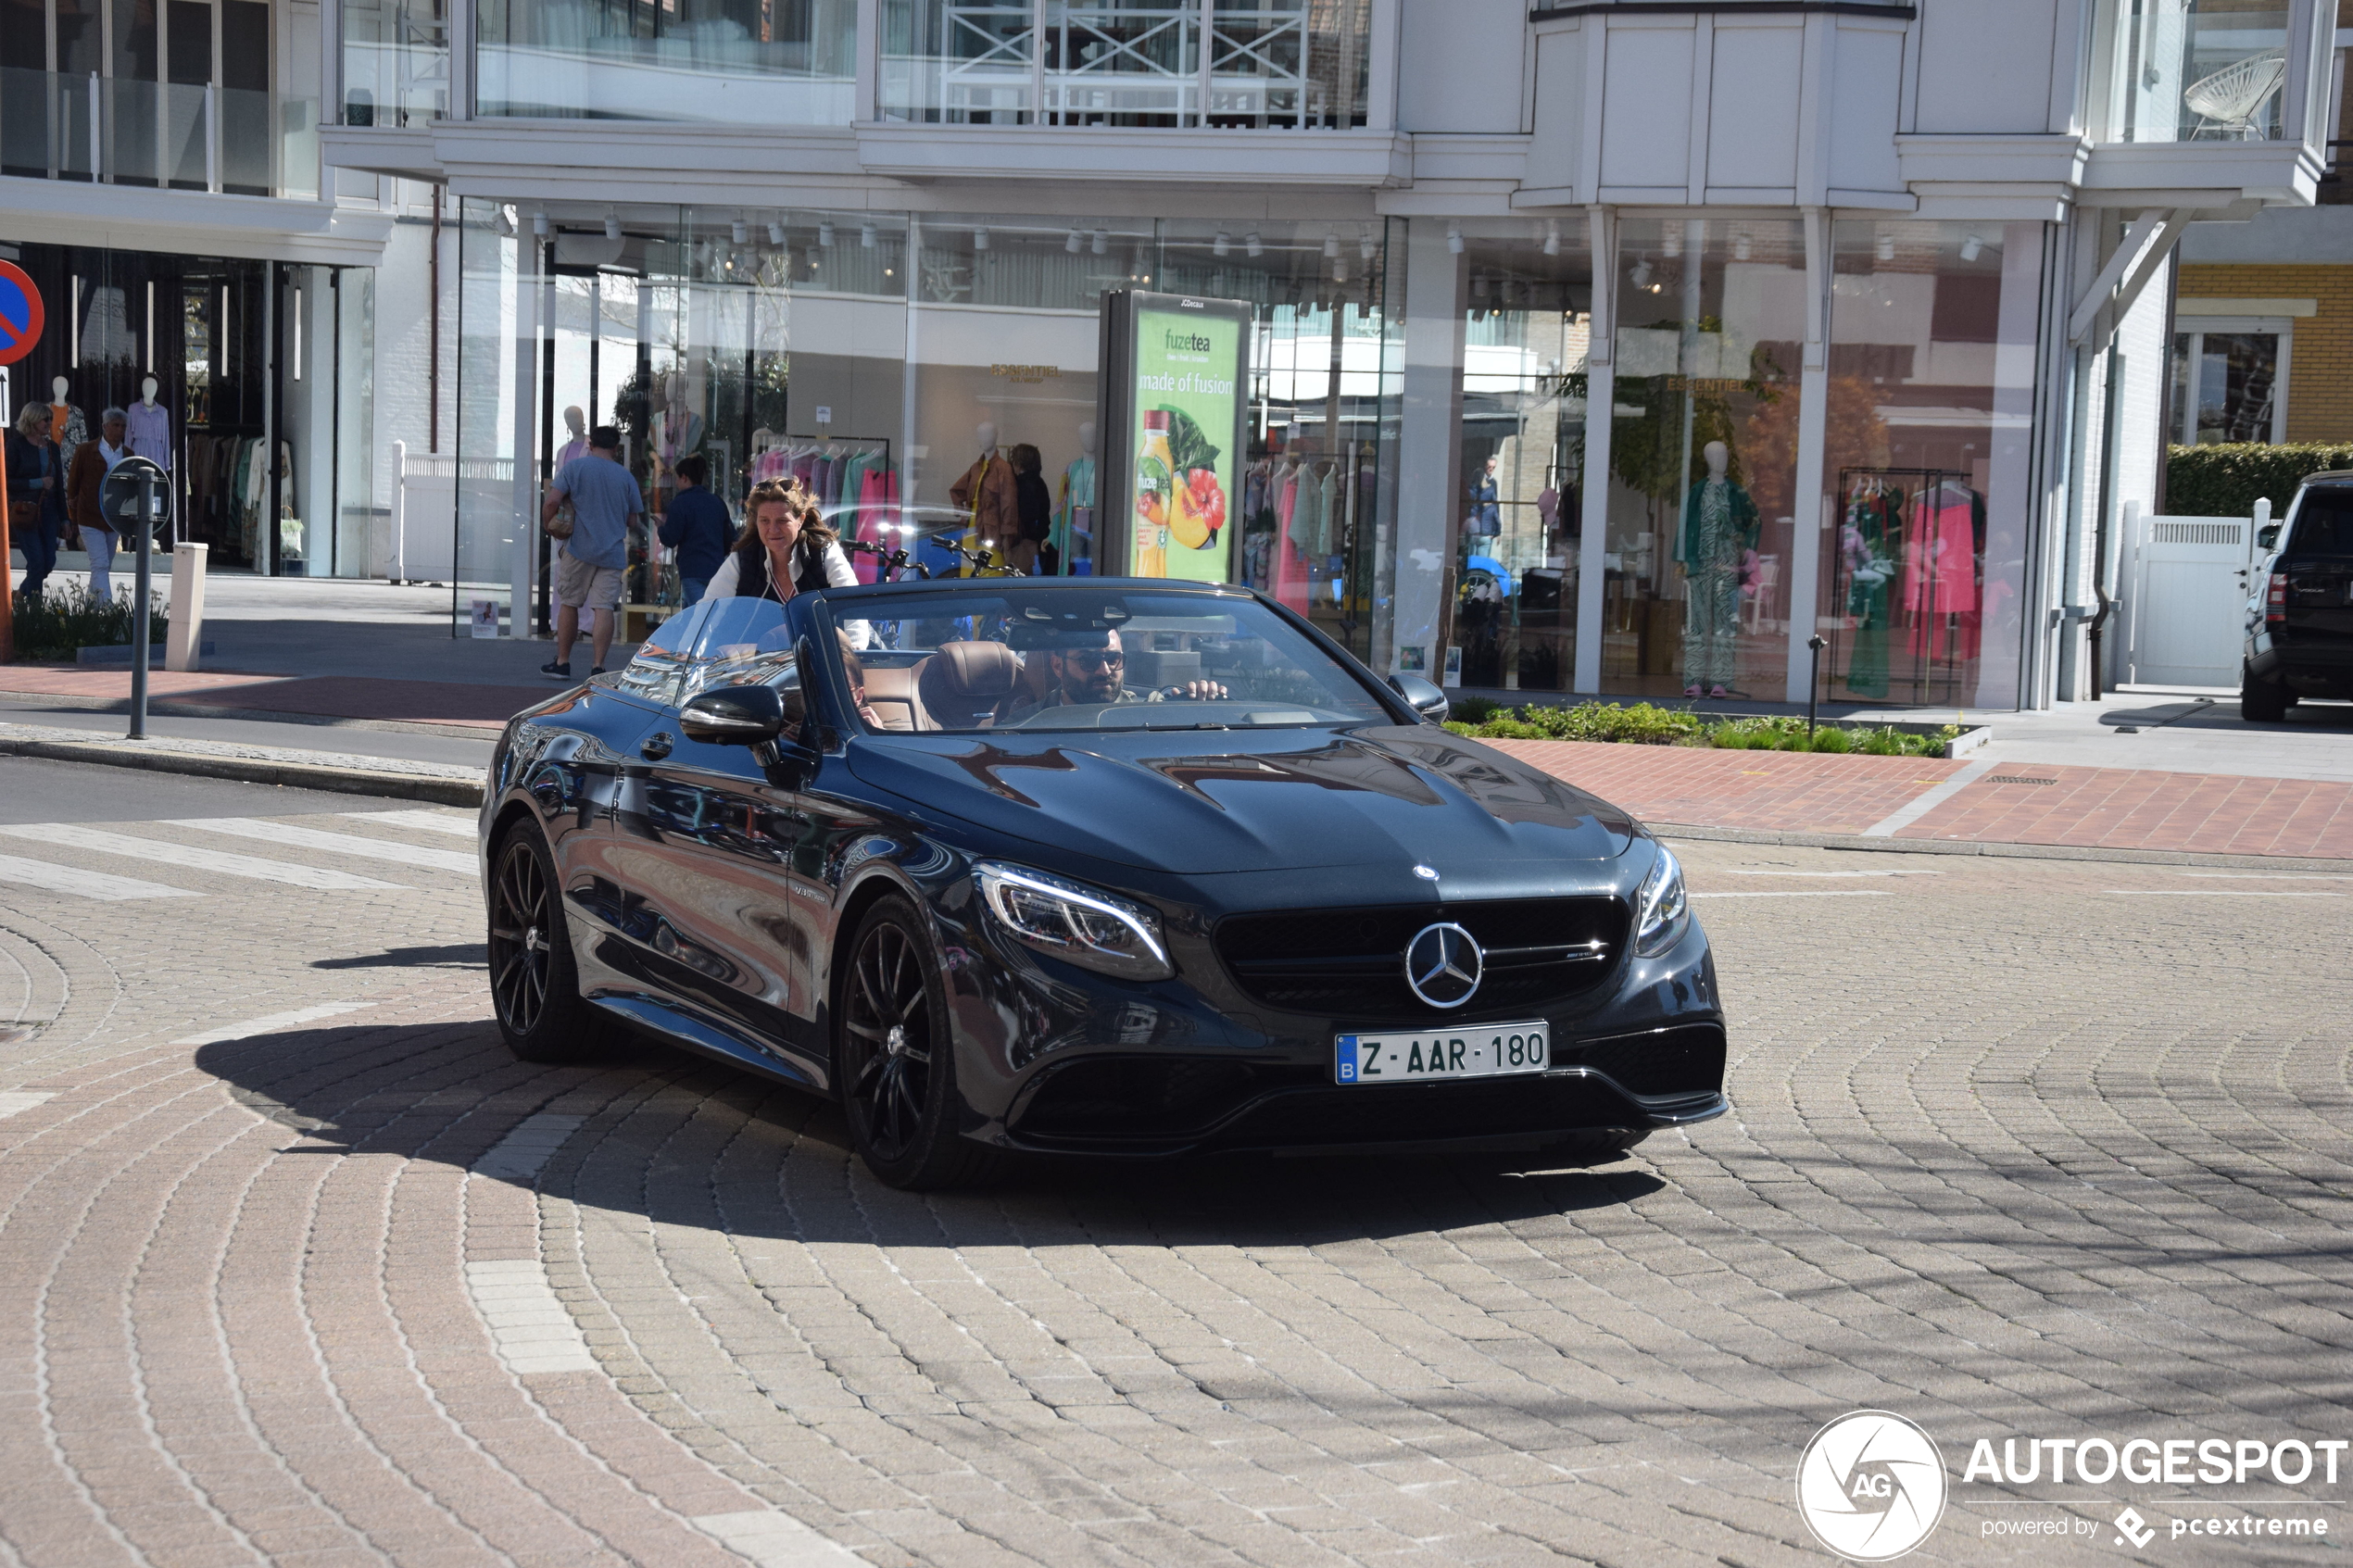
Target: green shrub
1882	742
1469	732
1640	723
1473	710
1833	738
1504	727
2226	480
67	619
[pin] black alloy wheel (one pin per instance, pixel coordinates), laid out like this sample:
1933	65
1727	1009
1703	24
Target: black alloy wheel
895	1059
534	986
2262	702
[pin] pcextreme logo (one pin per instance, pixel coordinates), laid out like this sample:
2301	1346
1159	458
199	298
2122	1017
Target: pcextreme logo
1871	1485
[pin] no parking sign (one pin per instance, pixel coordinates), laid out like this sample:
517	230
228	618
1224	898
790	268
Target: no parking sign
21	316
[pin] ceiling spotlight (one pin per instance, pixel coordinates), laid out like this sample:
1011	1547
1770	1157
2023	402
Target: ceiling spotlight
1971	248
1221	246
1252	244
826	232
1551	239
1454	238
1069	242
1670	243
1102	242
776	236
1741	248
539	224
1331	246
1642	273
505	221
980	239
1885	249
1478	286
1339	269
1364	245
866	235
613	226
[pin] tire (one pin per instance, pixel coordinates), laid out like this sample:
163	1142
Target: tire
895	1057
535	987
2261	702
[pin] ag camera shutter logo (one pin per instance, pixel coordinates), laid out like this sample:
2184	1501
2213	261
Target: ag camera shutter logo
1871	1485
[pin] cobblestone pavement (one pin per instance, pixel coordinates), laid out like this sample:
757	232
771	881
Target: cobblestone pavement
297	1265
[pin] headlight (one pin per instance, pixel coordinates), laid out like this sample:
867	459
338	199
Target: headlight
1658	907
1079	924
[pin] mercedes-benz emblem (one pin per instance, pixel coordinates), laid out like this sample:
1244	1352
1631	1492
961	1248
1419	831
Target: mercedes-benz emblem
1443	964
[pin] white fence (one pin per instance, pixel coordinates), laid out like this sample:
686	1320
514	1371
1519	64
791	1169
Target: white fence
420	545
2185	585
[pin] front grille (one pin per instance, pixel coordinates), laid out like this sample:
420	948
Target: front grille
1413	1113
1119	1097
1350	963
1684	1059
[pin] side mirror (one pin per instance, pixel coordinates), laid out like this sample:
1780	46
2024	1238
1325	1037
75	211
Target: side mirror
1422	697
2268	537
735	716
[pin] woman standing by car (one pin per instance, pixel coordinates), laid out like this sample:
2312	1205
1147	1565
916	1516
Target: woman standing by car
783	549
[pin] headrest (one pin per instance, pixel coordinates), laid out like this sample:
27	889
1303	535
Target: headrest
980	672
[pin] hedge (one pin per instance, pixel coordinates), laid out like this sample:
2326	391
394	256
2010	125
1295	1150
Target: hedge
2226	480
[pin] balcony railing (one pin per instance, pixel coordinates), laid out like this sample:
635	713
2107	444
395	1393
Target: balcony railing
116	131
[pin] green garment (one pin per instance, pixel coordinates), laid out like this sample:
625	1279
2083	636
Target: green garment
1719	528
1691	550
1870	565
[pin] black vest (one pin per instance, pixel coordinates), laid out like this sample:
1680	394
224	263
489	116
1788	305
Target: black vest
751	569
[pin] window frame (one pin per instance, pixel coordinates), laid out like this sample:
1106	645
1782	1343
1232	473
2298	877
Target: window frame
2195	328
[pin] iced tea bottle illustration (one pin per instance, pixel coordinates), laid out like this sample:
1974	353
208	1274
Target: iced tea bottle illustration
1155	482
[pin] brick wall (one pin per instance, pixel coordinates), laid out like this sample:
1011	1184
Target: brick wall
2320	390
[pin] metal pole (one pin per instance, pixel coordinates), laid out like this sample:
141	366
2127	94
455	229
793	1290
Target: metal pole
1814	647
139	609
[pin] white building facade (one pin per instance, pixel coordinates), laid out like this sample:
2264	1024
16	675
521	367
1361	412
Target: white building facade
1602	348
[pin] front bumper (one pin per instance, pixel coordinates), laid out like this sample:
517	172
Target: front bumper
1056	1058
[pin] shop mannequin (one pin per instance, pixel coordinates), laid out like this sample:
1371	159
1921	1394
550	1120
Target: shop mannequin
985	495
576	423
1075	508
65	421
1719	529
151	427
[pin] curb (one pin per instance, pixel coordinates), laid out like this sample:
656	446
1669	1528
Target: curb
1697	832
245	770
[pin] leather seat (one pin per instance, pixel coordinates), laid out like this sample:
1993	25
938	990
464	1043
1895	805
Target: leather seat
890	692
961	685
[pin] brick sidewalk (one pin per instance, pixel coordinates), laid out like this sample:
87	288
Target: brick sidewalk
2102	808
328	696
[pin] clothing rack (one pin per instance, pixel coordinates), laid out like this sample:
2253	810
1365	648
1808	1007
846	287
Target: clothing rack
1940	638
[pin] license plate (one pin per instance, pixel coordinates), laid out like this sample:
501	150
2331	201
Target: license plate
1492	1050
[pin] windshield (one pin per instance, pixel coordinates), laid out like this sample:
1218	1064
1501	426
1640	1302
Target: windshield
2323	524
1058	658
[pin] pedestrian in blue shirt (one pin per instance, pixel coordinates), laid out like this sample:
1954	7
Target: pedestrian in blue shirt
696	527
592	559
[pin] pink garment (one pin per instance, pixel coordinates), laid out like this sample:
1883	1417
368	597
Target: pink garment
1940	568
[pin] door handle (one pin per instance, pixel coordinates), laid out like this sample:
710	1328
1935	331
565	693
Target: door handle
657	746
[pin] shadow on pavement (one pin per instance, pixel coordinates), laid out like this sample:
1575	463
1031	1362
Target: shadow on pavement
683	1141
454	955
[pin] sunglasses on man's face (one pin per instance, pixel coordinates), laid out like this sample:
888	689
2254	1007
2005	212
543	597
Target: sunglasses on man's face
1097	659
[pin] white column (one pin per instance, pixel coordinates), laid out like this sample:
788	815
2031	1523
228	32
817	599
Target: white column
1600	397
399	571
524	442
1809	503
1428	445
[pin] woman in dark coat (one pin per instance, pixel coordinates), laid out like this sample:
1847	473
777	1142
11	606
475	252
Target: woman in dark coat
36	495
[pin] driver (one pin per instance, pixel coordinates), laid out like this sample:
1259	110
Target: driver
1090	668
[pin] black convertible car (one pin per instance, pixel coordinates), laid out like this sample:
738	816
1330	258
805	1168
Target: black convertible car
1133	868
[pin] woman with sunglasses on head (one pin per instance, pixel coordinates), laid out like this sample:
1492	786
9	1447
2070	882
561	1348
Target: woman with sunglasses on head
782	550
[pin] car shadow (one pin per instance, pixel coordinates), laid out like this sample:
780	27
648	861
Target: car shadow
685	1141
452	955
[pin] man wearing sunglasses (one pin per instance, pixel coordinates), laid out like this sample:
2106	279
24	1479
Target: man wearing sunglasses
1090	668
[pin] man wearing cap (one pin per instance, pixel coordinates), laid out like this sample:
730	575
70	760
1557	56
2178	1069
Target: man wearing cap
1090	667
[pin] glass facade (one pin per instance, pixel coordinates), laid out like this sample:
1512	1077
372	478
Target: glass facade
2226	388
1521	453
396	62
1262	63
2199	71
720	62
1703	498
1928	460
906	367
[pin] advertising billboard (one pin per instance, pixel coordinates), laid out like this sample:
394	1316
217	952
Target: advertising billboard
1175	402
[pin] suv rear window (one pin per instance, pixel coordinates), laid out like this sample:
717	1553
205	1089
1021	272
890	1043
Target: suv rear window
2323	523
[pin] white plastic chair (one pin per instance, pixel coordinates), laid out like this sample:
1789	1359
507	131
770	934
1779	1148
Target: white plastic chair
2233	95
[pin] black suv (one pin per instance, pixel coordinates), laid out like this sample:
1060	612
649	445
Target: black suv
2299	631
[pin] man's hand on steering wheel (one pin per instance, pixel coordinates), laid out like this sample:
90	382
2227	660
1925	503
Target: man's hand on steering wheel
1191	691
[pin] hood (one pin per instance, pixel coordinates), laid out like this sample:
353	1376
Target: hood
1195	803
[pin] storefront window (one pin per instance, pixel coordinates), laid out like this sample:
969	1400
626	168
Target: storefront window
1711	318
2226	386
1286	63
1522	454
738	62
2199	71
396	62
1933	335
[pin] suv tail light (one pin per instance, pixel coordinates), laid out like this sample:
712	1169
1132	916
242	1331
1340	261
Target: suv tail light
2275	599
